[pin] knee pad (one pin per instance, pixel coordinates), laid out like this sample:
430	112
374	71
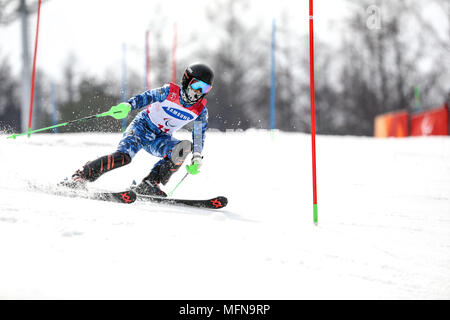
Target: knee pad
180	152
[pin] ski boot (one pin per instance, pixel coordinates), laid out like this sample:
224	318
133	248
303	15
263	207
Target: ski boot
163	170
150	186
77	181
92	170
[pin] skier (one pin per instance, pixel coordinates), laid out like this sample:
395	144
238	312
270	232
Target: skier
167	109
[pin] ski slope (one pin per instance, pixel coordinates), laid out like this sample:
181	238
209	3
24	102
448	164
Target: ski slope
383	233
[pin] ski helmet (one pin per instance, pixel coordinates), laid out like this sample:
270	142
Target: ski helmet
197	77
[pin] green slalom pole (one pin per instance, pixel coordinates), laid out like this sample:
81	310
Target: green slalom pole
117	112
417	98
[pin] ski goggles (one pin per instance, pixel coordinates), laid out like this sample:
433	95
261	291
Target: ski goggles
200	85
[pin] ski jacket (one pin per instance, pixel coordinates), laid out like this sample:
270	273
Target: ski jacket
168	111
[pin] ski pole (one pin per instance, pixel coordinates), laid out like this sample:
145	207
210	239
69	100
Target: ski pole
117	112
191	169
178	184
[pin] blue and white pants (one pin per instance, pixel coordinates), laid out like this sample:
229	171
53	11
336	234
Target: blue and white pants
141	133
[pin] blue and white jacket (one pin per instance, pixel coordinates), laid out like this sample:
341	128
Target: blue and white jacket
168	111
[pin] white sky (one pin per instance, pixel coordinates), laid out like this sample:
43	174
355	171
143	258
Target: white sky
94	30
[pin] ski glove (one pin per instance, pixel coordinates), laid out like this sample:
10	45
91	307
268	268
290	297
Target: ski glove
120	111
196	163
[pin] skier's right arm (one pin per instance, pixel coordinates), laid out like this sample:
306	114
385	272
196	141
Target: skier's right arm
148	97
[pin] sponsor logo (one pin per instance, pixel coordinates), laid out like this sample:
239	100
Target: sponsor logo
125	197
216	203
427	126
178	114
168	123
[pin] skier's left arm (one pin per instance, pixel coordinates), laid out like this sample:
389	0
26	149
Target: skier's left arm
198	136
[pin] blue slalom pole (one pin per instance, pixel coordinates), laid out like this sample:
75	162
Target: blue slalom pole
272	79
124	81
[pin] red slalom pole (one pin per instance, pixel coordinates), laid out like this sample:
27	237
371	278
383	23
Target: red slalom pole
313	111
30	117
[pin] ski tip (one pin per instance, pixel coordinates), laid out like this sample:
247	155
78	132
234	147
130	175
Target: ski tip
219	202
128	196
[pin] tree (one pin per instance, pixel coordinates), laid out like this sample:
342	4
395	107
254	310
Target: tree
237	61
93	98
10	113
87	95
381	66
160	40
42	104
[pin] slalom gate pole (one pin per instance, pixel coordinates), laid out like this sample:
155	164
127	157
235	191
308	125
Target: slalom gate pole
30	116
313	111
417	98
117	112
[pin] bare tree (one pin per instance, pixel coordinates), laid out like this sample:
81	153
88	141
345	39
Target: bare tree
9	99
237	61
382	66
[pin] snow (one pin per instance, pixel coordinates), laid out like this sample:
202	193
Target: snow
383	233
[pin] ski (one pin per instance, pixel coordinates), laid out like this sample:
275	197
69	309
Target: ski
69	189
126	196
213	203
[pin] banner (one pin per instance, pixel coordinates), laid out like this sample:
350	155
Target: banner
393	124
433	122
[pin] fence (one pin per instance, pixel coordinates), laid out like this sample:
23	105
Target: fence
401	124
